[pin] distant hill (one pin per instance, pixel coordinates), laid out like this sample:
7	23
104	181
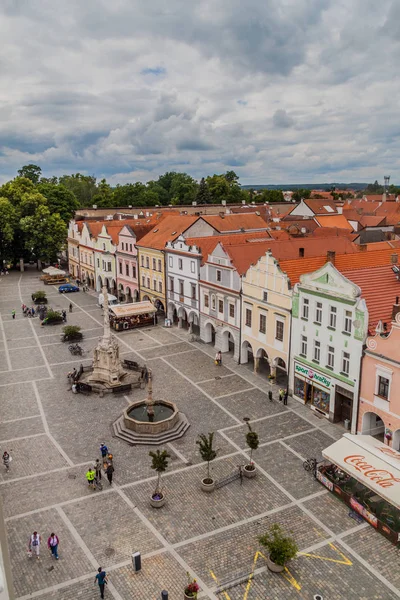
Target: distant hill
307	186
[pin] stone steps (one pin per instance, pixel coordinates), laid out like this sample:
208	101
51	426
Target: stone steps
132	437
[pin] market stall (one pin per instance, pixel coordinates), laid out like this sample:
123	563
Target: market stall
54	276
365	474
130	316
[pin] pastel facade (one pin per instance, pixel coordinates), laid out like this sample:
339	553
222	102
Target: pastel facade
266	315
127	268
220	287
183	263
87	257
379	409
105	264
74	239
329	327
152	276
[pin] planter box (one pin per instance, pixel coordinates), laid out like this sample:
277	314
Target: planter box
249	473
273	566
207	487
40	300
76	337
157	503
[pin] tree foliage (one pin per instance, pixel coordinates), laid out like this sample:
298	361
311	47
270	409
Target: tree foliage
59	200
32	172
45	233
301	194
206	449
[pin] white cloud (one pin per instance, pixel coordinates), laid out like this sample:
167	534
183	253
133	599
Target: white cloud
289	91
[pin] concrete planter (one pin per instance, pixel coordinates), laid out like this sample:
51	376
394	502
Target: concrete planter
249	471
186	597
273	566
208	485
157	503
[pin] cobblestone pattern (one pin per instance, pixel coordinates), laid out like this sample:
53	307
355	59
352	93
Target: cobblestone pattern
21	343
230	554
159	334
378	552
17	429
18	328
82	590
13	398
3	362
330	512
33	374
225	385
253	403
24	358
332	580
31	575
224	506
197	366
174	348
110	529
287	470
158	573
270	429
310	444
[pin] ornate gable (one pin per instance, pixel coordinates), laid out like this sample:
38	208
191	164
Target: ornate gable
330	281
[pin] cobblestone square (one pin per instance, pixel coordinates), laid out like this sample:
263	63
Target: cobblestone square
54	435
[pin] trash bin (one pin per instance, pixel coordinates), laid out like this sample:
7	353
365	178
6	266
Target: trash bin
347	424
136	561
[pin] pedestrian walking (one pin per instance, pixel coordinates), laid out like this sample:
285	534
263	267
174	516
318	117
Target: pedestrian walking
285	397
97	468
33	311
64	315
6	461
103	450
101	579
70	307
23	308
281	394
34	544
52	544
218	358
109	472
90	475
13	314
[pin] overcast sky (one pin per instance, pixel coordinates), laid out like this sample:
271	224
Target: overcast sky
277	90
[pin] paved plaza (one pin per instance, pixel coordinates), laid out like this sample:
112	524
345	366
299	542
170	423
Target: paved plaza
54	435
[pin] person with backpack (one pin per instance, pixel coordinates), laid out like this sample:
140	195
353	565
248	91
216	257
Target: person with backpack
104	451
97	468
52	544
90	475
109	472
101	579
34	544
6	460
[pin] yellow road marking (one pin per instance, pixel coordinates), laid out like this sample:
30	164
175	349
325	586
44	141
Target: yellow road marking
216	581
345	561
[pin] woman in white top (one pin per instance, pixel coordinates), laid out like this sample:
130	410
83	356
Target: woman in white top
34	543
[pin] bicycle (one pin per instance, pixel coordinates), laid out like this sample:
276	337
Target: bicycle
97	485
75	349
310	464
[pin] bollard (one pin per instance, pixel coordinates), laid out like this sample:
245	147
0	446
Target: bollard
270	396
136	561
164	595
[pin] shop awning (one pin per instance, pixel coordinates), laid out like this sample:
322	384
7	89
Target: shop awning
53	271
371	462
132	310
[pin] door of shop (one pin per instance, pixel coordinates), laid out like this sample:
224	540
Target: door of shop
343	404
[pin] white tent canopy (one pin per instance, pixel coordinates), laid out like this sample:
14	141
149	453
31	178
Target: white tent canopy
132	310
53	271
371	462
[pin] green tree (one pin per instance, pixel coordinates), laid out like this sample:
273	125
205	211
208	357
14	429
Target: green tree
159	463
207	452
183	188
32	172
15	190
59	200
203	193
8	223
104	196
374	188
301	194
30	202
271	196
44	234
82	186
218	187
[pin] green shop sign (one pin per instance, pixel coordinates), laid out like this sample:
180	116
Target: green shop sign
313	375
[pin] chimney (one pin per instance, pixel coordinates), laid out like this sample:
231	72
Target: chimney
363	247
222	215
396	308
330	256
394	259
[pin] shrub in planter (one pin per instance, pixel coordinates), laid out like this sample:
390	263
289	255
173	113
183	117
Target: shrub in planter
39	297
192	587
71	333
253	442
281	548
207	453
159	462
53	316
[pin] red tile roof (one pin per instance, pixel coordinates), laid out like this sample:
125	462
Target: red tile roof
338	221
367	208
235	222
166	230
371	221
207	244
321	207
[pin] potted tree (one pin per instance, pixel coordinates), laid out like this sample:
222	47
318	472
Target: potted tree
207	453
52	317
253	442
280	548
192	588
71	333
39	297
159	462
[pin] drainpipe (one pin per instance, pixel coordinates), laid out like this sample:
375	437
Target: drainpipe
357	400
240	323
290	345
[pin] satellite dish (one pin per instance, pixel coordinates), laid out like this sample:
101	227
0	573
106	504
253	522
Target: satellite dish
357	324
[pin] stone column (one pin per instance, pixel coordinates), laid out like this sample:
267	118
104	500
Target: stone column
272	367
180	323
191	327
256	365
21	265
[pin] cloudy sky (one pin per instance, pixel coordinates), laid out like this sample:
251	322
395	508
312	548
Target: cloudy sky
277	90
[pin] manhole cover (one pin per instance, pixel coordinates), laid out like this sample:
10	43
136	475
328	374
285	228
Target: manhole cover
109	551
71	476
218	377
246	419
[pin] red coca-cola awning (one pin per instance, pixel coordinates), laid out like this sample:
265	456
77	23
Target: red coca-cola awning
371	462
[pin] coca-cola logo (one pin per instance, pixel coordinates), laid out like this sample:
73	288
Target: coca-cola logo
381	477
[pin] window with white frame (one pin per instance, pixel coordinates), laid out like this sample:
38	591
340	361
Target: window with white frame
120	267
383	387
304	345
265	296
345	363
154	285
279	329
332	316
142	260
160	286
127	269
154	264
306	308
206	304
318	313
180	264
317	351
347	321
147	262
148	282
134	271
130	247
171	261
331	357
159	265
232	311
143	281
218	275
193	290
248	317
263	324
171	284
192	266
181	292
220	306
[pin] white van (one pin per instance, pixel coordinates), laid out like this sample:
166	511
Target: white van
112	300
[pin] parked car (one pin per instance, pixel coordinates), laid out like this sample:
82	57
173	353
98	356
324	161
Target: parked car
112	300
68	287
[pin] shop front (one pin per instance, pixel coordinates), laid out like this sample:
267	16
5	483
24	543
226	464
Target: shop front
312	387
365	474
130	316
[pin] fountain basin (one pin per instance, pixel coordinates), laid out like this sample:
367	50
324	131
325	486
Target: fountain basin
166	416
